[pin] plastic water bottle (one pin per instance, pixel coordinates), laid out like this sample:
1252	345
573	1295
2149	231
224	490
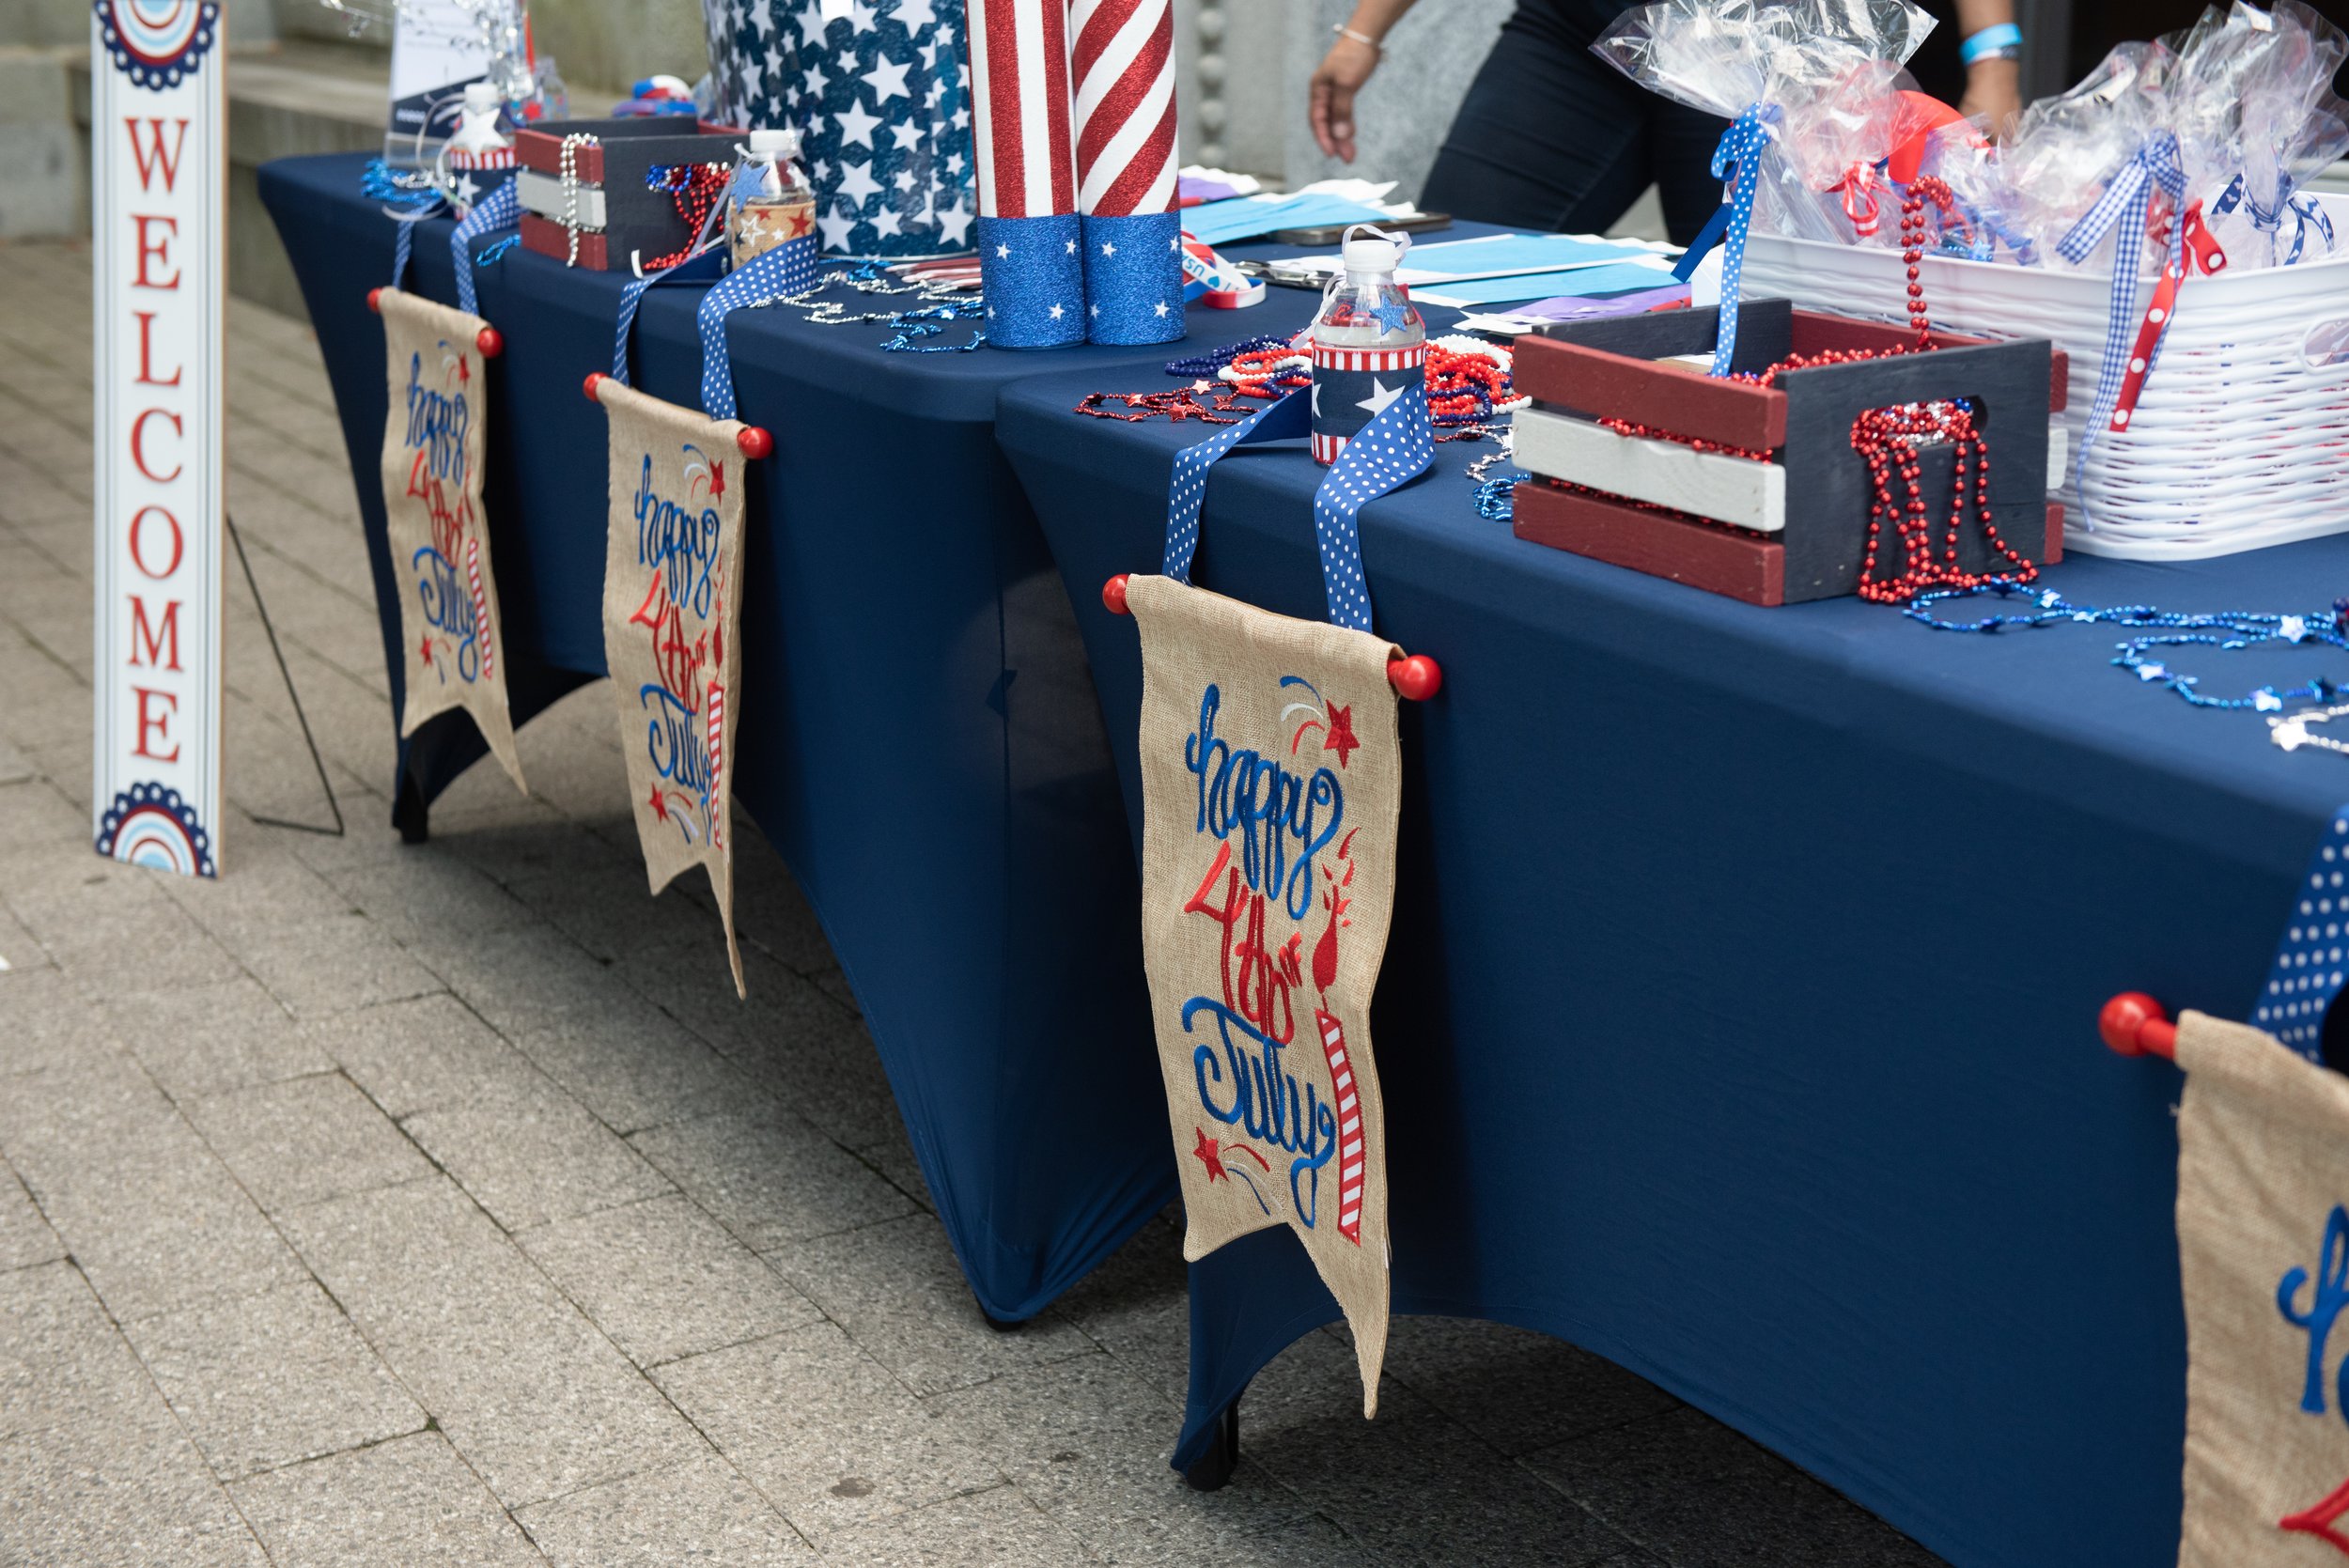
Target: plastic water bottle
1369	342
769	201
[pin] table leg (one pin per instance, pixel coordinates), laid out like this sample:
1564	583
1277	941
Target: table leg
410	813
1211	1469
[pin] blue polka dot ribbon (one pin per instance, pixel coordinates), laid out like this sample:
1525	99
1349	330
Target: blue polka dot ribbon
788	269
495	213
701	267
2314	956
1396	446
1739	159
2306	208
2122	208
1290	417
1391	449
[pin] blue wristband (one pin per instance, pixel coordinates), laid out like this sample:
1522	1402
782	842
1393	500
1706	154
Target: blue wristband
2002	34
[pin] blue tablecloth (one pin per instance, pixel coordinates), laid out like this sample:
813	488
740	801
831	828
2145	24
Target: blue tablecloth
1739	1020
916	739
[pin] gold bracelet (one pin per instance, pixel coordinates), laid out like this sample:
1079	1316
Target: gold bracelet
1345	32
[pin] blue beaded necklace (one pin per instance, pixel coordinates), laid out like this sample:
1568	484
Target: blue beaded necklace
2227	629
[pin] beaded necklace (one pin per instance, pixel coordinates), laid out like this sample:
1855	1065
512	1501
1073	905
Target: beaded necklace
694	189
947	301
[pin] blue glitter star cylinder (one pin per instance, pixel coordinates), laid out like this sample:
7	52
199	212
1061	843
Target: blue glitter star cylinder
1033	281
881	100
1134	277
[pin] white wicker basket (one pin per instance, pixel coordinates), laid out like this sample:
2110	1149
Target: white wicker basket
2241	438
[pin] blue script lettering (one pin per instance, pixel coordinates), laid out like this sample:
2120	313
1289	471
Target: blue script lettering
447	606
676	542
2325	1304
437	423
1265	1099
673	741
1279	815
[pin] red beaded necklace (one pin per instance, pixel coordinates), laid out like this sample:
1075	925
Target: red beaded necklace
694	187
1888	440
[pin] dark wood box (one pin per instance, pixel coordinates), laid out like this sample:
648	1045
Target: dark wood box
637	220
1800	533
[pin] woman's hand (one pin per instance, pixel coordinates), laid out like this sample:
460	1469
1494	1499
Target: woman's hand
1341	75
1994	90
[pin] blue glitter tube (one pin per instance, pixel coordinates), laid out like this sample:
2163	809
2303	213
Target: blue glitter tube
1033	281
1134	278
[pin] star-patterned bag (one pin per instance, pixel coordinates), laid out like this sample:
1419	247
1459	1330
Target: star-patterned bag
1271	785
434	434
672	612
882	100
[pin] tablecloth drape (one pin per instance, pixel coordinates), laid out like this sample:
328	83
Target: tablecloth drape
917	737
1739	1017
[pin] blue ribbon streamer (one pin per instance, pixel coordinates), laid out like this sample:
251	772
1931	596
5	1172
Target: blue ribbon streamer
1739	150
1396	447
703	267
495	213
787	268
2309	969
2308	209
2122	208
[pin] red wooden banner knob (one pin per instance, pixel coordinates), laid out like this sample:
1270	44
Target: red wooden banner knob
375	300
1114	595
595	377
755	442
1416	679
2134	1024
490	341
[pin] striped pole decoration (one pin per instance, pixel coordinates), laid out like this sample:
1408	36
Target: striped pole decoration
1353	386
715	708
1027	230
480	610
1351	1164
1123	64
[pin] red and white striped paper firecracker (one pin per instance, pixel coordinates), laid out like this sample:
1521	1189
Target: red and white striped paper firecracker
1027	229
1353	386
1122	64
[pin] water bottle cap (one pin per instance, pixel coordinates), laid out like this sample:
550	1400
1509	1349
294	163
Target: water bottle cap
1371	256
482	96
783	144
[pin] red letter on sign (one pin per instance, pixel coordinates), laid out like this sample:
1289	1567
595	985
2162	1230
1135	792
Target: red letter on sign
147	351
153	723
139	540
154	637
138	443
147	157
158	249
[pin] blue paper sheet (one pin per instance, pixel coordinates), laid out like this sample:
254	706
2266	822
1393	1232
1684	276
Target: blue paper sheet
1522	253
1223	223
1581	283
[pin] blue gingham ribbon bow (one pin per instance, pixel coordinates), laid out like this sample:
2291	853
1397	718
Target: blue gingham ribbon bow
495	213
2308	209
1739	159
2122	208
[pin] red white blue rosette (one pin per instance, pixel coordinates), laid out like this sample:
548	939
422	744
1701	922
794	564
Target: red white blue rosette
151	825
157	43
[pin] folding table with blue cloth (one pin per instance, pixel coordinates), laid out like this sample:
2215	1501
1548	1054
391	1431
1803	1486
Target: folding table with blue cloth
1738	1015
915	734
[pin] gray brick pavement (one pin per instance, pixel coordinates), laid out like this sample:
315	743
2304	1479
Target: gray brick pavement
377	1206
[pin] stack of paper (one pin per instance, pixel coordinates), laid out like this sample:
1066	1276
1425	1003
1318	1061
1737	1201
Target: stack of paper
1327	201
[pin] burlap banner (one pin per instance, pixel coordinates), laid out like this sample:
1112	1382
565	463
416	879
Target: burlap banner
672	607
1270	786
2263	1255
433	438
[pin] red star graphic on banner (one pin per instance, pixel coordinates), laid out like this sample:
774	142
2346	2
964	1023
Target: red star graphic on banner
1339	737
1210	1153
717	478
423	650
660	807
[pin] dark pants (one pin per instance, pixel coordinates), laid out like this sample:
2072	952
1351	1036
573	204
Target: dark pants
1552	138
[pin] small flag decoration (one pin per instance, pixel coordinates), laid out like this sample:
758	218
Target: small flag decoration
434	436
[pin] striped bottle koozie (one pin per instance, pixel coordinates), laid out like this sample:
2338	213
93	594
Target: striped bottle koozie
1353	386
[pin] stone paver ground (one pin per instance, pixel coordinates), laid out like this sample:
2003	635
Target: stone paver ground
378	1204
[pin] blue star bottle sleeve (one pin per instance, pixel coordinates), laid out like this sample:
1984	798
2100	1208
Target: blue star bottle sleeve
1369	344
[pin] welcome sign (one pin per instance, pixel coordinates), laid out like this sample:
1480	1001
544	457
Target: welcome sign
158	155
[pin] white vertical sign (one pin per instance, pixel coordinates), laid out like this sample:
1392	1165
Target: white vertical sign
158	232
